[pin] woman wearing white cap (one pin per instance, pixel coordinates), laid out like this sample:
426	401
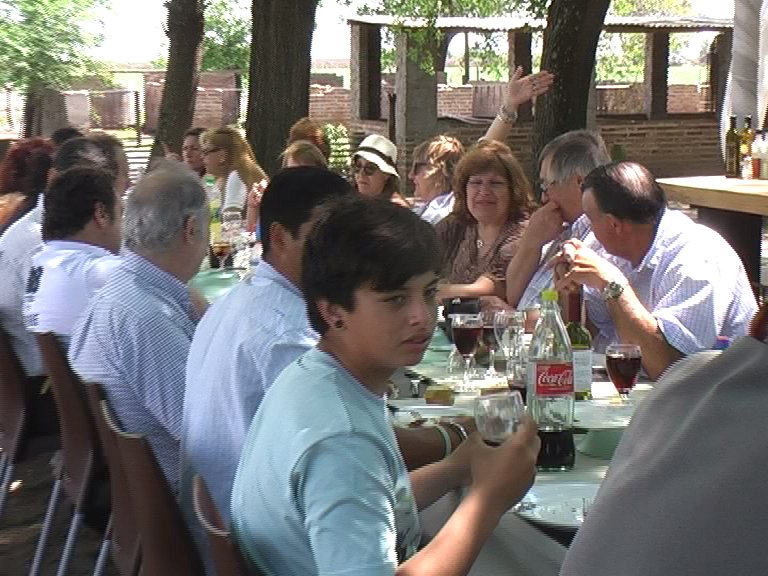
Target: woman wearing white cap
375	166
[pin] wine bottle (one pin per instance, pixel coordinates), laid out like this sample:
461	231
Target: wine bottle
732	151
747	138
581	346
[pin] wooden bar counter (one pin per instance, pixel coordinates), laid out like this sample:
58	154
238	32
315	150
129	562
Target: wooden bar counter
733	207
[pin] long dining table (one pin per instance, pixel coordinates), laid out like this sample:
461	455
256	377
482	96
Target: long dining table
732	206
520	544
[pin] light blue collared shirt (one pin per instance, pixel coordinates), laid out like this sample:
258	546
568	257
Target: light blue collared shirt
693	283
438	208
133	339
542	278
241	345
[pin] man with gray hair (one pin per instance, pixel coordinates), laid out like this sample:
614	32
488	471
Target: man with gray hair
563	164
134	336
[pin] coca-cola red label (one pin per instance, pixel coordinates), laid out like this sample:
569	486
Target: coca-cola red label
554	379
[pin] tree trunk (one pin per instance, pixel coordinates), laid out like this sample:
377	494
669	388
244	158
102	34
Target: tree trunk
570	43
278	92
177	106
31	120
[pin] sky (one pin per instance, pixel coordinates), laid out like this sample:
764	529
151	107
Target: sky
133	29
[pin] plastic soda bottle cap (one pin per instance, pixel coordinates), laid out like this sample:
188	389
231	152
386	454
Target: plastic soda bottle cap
549	295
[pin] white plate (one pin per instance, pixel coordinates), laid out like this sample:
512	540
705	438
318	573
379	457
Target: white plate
408	413
562	505
602	414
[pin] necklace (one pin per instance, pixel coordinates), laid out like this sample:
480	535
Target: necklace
480	243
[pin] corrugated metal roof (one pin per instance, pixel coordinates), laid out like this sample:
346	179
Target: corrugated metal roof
505	23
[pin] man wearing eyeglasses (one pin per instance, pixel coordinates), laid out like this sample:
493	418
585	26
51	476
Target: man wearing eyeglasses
563	164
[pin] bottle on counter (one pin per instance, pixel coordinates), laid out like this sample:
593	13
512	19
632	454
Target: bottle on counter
747	138
550	387
732	151
581	346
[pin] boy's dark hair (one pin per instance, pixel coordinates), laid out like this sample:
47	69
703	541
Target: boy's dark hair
628	191
293	194
97	150
61	135
72	198
359	241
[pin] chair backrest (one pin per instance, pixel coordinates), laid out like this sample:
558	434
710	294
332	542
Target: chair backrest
226	554
13	406
81	449
166	544
124	535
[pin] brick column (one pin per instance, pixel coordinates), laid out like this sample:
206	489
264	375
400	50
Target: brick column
656	67
365	72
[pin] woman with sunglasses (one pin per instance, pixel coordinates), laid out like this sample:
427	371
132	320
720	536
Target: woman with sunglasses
375	167
228	157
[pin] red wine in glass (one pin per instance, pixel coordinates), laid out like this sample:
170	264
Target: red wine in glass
623	363
623	372
466	339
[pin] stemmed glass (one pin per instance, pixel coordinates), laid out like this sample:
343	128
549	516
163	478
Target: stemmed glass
231	227
510	331
623	363
490	339
466	330
497	416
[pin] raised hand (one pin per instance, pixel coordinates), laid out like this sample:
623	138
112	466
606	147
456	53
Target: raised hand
521	89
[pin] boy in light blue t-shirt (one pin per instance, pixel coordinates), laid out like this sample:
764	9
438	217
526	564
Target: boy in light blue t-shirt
321	487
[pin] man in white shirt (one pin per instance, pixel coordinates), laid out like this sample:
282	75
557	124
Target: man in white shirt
82	218
22	240
659	280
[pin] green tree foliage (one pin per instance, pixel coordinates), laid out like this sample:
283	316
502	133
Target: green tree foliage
227	41
44	43
429	43
621	57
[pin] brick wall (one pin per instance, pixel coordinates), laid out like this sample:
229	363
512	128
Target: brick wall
329	104
217	103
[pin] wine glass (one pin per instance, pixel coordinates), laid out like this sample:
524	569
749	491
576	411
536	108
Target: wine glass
490	339
221	250
510	331
623	362
497	416
466	330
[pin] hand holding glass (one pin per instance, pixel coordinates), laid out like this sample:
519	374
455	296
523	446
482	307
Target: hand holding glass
623	363
497	416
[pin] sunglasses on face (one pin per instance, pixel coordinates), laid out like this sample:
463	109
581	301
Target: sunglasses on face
369	169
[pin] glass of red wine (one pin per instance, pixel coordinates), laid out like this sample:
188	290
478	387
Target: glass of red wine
623	363
497	416
466	330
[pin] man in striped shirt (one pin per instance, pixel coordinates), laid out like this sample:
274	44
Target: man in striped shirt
660	280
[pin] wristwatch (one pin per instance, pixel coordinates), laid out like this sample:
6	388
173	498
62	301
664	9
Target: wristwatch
613	290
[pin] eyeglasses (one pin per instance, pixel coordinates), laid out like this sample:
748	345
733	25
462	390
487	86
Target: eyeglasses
545	185
207	151
368	168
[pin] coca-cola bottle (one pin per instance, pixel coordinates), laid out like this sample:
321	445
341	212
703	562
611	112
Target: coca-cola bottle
550	387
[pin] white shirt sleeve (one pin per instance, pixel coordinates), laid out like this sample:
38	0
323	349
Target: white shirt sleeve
235	192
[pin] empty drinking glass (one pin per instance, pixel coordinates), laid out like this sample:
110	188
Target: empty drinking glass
497	416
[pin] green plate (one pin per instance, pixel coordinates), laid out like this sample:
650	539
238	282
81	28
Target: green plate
216	282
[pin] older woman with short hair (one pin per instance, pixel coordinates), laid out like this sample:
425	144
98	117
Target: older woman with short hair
493	204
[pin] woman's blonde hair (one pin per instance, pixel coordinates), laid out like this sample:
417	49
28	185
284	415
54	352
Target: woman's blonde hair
305	153
442	152
492	156
240	157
